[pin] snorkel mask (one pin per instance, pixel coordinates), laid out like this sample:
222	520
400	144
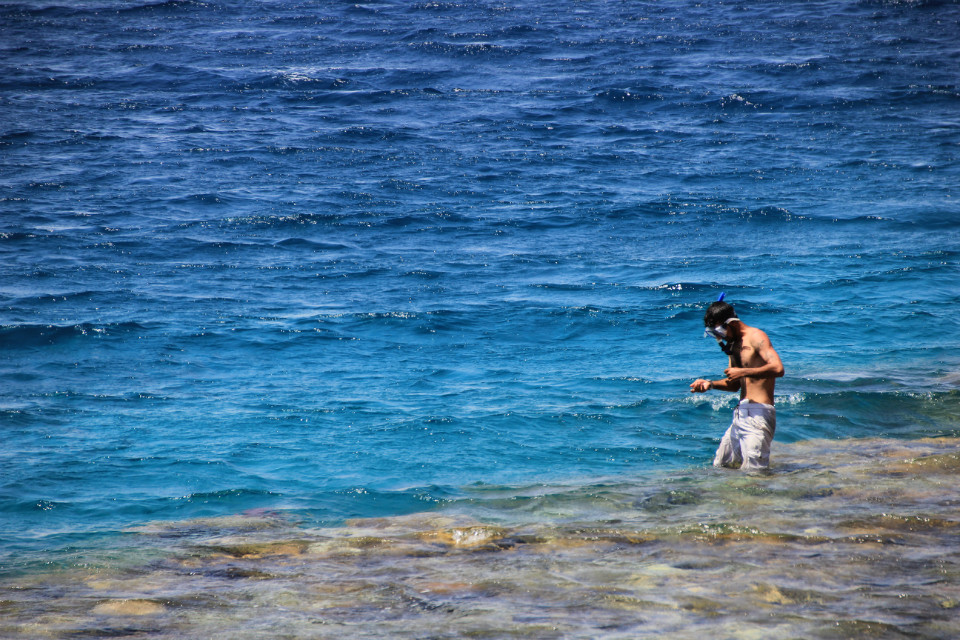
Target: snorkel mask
719	332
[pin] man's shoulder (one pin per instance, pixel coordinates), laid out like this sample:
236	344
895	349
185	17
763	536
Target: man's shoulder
756	336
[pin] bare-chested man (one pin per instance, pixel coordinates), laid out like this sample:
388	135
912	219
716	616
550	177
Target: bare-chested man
754	368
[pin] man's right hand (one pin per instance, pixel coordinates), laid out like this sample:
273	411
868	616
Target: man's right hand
700	386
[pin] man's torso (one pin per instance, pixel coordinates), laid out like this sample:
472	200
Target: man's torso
755	389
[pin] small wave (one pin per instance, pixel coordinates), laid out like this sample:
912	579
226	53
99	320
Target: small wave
14	336
437	5
208	199
304	243
425	274
473	49
368	132
306	80
64	296
791	399
635	95
227	494
777	215
16	235
557	221
16	136
739	101
906	4
903	96
55	10
694	287
359	98
279	222
164	6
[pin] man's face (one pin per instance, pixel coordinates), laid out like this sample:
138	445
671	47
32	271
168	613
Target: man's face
719	332
727	330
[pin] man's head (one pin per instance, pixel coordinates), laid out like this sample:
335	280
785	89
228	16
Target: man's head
717	314
722	322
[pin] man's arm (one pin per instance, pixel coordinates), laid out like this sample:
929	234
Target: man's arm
700	385
727	384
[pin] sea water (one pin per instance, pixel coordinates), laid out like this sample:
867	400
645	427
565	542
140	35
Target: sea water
323	319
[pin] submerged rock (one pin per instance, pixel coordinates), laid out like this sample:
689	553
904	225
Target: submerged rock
129	608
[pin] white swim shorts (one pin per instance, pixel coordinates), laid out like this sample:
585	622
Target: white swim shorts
747	442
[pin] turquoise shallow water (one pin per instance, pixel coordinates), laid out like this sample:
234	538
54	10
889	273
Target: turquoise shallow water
340	261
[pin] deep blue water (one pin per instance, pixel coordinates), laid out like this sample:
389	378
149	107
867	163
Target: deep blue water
348	259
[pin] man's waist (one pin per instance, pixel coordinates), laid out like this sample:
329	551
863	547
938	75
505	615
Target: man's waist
748	406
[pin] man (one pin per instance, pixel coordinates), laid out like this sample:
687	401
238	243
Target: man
754	368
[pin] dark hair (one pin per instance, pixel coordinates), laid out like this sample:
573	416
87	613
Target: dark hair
718	313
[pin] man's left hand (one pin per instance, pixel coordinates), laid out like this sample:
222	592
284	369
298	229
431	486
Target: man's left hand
735	373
